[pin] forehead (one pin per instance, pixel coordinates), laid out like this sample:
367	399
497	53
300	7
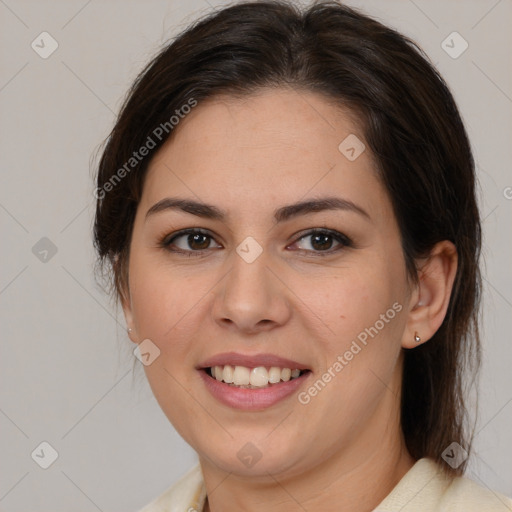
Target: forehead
278	119
277	144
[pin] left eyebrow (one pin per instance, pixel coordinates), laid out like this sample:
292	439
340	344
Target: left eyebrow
318	205
280	215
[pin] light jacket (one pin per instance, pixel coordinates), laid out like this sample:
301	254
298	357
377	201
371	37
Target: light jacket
424	488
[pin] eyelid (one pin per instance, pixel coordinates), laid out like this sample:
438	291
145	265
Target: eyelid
343	240
321	230
167	240
186	231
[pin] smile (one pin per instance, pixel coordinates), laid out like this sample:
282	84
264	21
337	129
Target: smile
252	378
252	383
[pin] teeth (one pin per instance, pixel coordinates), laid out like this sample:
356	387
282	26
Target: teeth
241	377
274	375
228	374
258	377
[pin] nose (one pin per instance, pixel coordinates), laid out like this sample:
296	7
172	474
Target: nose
251	298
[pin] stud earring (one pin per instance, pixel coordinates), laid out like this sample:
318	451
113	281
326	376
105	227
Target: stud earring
129	330
417	339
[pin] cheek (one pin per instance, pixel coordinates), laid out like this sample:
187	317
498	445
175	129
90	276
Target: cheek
163	298
364	313
166	306
352	301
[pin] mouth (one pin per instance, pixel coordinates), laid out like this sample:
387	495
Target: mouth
252	383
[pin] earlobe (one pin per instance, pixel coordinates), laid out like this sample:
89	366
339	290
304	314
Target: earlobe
435	283
127	310
123	293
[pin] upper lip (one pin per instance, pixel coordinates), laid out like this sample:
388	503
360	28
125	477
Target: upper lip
251	361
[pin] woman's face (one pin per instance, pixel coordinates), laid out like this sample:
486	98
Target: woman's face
255	288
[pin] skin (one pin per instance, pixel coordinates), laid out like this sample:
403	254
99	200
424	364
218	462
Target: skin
344	450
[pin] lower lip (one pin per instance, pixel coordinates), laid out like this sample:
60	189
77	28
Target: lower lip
251	399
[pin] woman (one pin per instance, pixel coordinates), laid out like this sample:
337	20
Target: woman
287	204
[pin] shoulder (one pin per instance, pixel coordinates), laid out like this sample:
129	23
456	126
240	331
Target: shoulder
425	488
186	495
465	494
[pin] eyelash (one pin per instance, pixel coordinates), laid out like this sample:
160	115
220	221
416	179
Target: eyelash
167	241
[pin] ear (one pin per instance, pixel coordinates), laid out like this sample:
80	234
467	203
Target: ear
123	291
431	296
128	315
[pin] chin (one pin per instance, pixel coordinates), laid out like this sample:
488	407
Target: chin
246	456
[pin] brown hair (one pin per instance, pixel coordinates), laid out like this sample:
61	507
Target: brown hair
411	124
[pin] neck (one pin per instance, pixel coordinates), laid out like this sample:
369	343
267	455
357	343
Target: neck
360	490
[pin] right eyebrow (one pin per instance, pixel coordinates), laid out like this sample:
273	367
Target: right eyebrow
189	206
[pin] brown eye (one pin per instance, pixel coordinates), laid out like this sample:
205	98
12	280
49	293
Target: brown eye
323	241
198	241
189	241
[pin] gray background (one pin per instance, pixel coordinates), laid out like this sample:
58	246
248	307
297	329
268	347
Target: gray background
66	364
